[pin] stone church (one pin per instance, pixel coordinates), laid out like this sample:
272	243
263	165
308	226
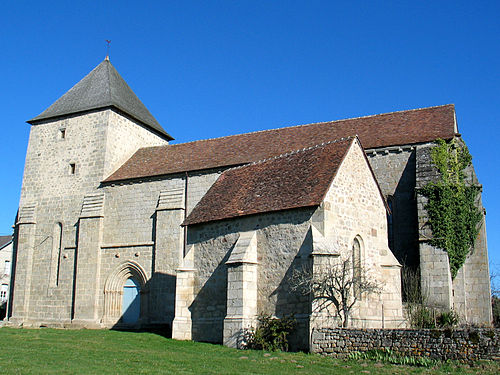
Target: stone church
118	228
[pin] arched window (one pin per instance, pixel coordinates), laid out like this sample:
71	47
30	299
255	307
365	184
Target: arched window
390	222
56	254
356	264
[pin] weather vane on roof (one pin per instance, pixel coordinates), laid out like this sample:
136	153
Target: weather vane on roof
107	49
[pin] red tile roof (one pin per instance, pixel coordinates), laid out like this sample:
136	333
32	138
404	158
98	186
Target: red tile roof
298	179
396	128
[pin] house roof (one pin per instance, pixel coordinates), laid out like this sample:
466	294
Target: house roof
396	128
4	241
297	179
102	87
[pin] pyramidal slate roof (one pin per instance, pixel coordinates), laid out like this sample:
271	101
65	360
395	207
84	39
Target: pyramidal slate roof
103	87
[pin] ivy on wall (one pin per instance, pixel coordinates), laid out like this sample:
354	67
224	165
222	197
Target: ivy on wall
454	216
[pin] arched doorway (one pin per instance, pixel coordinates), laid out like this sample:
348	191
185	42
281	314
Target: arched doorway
131	302
126	296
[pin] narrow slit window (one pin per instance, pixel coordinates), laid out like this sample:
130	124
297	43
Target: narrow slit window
390	222
62	133
356	266
72	168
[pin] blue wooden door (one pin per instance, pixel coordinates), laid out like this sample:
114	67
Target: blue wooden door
131	304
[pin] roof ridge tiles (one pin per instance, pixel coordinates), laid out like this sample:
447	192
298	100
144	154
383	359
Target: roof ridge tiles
289	153
389	129
304	125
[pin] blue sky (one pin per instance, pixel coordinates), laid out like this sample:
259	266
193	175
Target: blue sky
212	68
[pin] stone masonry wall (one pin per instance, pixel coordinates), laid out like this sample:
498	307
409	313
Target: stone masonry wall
469	293
133	225
462	345
354	208
283	242
56	196
394	169
198	185
124	137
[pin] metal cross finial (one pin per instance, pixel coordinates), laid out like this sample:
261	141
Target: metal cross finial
107	49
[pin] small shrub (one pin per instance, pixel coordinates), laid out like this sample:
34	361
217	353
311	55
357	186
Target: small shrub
447	319
411	289
271	333
422	317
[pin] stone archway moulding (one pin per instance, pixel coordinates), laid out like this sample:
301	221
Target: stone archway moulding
113	290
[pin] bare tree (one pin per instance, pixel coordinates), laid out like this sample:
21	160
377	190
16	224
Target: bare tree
495	293
341	284
495	279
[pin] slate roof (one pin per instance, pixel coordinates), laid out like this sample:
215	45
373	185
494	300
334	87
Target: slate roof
297	179
396	128
103	87
4	241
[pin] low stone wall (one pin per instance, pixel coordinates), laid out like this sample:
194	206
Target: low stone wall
462	345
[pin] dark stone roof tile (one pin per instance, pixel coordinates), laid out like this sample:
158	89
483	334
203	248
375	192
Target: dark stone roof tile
103	87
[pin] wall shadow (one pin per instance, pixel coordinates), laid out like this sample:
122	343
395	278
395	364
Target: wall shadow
405	217
291	302
157	307
209	307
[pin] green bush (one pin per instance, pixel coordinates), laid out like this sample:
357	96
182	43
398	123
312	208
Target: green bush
271	333
421	316
447	319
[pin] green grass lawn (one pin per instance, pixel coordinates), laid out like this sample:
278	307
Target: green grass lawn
49	351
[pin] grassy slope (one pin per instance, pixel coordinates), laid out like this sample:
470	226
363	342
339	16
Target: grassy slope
43	351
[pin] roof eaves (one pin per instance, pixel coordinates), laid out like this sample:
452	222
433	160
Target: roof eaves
39	119
6	244
187	222
190	221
